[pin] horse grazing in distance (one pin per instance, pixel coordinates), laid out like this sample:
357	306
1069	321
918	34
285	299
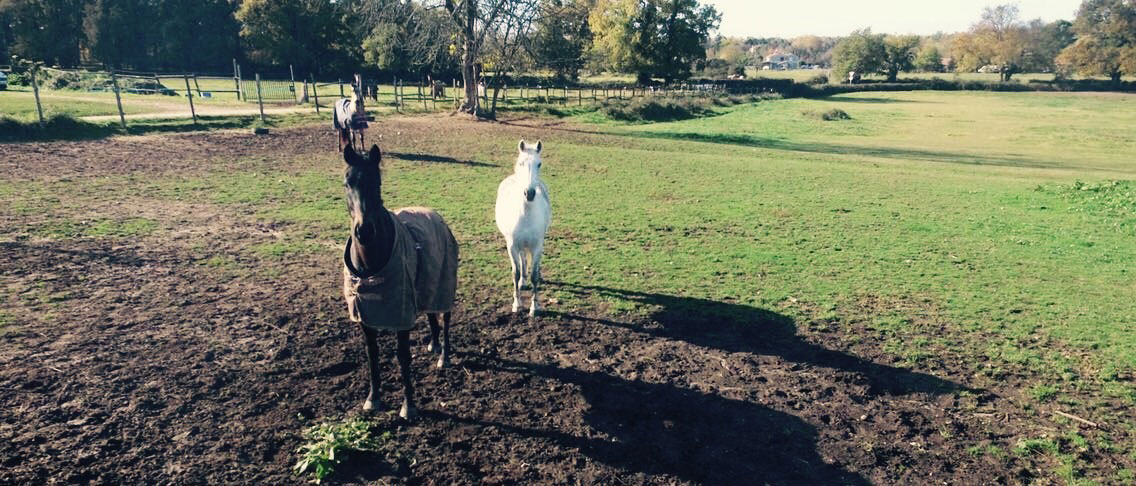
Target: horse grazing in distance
350	116
523	214
396	265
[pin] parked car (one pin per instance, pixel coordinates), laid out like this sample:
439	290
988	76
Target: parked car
3	81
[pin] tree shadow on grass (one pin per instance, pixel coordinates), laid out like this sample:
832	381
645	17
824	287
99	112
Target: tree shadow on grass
739	328
857	99
853	150
436	159
660	429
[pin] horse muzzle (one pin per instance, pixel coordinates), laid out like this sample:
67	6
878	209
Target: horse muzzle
530	193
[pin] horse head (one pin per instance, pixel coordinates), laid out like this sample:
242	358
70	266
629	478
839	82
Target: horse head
528	167
363	182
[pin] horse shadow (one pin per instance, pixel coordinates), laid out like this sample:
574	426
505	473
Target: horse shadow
738	328
659	429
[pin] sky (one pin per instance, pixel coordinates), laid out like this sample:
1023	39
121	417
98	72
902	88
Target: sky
759	18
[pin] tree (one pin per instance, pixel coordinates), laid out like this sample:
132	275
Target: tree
813	49
672	34
407	37
929	59
1106	39
999	38
196	34
899	53
562	37
1044	43
48	30
612	34
652	38
309	34
115	36
733	54
862	52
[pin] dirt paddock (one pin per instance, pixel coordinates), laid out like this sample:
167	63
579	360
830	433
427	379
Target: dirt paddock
155	371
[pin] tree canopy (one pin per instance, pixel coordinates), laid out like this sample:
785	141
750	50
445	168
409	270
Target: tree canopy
1106	39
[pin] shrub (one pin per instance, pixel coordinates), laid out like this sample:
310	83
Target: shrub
835	114
327	444
818	79
656	109
58	124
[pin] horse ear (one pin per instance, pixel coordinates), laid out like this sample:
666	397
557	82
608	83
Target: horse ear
539	146
350	156
376	155
521	146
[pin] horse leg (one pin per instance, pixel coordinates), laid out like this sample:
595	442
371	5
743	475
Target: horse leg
515	260
444	359
370	340
408	411
433	344
535	279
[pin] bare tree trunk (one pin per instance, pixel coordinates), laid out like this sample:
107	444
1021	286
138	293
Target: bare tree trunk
469	57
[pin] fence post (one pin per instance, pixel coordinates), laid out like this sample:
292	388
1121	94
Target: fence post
259	99
316	93
422	96
118	99
580	96
196	85
189	95
237	78
292	74
341	88
35	89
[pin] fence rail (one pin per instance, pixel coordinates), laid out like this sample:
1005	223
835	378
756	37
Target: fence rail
401	94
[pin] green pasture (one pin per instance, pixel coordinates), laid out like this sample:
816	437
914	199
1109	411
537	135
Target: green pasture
993	229
999	210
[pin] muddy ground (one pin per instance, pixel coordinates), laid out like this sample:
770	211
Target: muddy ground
128	362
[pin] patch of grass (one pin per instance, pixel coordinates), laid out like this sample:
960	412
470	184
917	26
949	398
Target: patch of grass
1043	392
99	228
132	227
327	444
285	248
1027	447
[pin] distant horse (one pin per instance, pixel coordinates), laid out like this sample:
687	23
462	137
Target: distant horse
396	265
523	213
350	116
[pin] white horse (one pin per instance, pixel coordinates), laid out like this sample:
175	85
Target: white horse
523	214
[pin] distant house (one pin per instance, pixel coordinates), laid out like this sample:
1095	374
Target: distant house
779	61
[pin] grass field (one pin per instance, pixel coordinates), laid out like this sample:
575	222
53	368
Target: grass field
992	233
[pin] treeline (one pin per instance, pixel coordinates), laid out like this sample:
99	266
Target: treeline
1101	41
651	38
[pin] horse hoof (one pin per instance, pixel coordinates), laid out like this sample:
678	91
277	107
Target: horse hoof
430	346
368	405
516	308
442	362
408	413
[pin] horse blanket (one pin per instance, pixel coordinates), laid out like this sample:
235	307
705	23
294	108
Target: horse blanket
346	118
421	275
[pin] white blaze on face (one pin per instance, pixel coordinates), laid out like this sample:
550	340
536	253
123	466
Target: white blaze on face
528	167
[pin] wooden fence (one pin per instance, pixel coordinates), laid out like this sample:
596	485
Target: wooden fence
401	94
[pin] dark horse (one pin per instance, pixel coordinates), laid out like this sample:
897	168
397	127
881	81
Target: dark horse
396	265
